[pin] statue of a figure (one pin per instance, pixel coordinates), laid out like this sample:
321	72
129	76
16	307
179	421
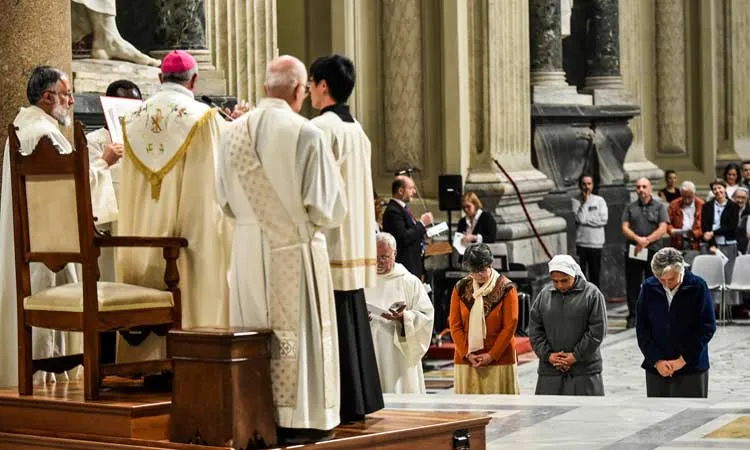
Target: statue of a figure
97	17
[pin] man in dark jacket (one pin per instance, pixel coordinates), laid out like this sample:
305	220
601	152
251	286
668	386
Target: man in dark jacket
674	323
409	232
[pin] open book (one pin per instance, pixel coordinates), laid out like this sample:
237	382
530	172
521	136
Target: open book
394	308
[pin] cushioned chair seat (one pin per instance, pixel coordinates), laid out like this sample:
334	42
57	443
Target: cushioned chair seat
111	296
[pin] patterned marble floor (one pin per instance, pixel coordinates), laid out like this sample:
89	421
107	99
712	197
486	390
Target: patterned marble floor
611	423
624	418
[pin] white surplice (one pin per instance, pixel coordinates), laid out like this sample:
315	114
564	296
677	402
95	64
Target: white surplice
32	123
104	180
282	186
166	190
399	349
351	246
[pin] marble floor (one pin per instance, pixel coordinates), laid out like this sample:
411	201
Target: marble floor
624	418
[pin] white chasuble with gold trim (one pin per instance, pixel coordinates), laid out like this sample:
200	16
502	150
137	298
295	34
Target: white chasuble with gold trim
159	132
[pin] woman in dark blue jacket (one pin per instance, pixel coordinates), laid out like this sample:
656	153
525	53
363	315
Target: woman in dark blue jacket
674	322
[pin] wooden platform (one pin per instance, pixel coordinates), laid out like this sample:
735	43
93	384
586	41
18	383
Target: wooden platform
56	417
123	412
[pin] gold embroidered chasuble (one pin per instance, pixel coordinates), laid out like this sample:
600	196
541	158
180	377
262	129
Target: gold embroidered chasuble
281	184
185	205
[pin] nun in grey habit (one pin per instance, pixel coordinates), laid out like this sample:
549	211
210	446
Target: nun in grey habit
567	323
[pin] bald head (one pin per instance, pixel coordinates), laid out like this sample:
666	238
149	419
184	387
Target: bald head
286	77
643	189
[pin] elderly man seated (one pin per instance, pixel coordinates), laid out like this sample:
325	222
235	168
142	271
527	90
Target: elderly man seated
401	318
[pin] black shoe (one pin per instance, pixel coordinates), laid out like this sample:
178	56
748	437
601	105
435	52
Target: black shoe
301	436
630	324
352	419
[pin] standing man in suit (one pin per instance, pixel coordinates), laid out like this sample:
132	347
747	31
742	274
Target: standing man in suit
477	226
409	232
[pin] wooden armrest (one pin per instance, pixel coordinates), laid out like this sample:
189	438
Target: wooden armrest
139	241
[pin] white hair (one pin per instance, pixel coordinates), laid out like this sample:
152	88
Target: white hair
688	186
285	79
667	260
741	189
179	77
386	238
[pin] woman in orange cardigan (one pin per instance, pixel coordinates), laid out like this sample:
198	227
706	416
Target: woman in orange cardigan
483	319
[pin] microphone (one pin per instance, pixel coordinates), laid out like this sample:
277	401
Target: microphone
206	99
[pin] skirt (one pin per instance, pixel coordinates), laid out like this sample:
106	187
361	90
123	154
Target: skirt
494	379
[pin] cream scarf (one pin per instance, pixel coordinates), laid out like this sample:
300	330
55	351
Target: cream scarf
477	326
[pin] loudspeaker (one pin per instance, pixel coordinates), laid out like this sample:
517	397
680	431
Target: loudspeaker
450	189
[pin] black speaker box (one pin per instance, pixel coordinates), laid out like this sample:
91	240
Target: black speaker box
450	189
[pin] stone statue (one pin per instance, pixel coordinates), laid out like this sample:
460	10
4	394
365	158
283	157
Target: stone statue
97	17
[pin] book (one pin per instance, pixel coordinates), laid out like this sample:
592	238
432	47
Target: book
395	307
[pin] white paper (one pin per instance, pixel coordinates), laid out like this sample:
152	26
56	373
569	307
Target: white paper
458	243
724	258
437	229
642	255
114	108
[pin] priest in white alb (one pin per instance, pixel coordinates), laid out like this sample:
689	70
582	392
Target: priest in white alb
351	246
104	177
166	190
281	184
401	333
51	99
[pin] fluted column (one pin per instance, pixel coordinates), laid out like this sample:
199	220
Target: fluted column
603	45
637	63
242	37
501	129
29	38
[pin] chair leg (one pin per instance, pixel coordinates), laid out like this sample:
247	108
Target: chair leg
25	361
91	373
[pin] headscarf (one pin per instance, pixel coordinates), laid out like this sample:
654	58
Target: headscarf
567	265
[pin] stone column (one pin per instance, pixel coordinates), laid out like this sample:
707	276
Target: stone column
29	38
637	58
545	43
500	102
603	46
243	39
548	83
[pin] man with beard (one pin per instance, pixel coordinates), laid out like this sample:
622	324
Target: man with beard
591	216
51	99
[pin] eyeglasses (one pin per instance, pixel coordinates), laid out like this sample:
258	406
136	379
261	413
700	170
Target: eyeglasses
66	94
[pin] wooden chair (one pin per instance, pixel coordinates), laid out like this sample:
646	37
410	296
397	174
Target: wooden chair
54	225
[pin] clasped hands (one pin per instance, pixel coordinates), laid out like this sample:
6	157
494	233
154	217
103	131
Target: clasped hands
240	108
562	361
667	367
478	360
641	242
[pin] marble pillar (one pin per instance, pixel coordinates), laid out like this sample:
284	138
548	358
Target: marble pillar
500	100
545	43
602	49
637	60
243	39
548	85
30	38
